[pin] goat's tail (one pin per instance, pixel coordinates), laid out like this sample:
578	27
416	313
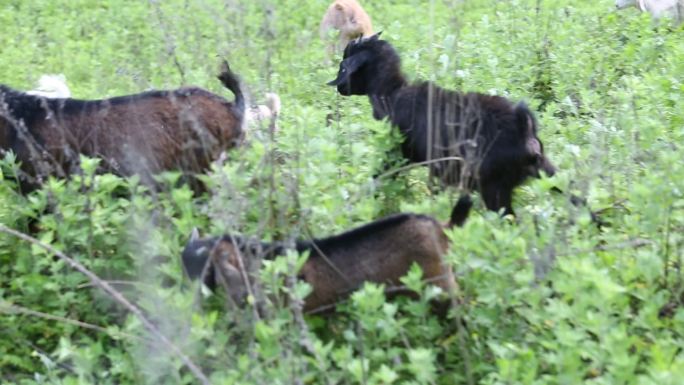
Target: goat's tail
231	81
460	212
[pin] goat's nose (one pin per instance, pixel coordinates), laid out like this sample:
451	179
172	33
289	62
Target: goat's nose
238	139
548	167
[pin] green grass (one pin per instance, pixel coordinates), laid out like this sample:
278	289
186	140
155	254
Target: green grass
547	298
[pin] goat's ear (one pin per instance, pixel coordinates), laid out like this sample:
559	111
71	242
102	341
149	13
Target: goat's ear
526	122
376	36
349	66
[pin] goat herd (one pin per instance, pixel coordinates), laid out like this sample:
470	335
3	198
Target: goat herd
470	140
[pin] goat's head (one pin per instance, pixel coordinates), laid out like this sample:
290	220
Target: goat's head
366	64
196	261
216	262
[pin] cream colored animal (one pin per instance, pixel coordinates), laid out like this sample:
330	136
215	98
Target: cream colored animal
349	18
265	113
51	86
657	8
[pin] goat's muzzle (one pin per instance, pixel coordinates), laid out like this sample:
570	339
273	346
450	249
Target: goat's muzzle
237	141
548	167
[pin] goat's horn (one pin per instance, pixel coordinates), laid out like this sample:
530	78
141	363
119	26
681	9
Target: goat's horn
194	235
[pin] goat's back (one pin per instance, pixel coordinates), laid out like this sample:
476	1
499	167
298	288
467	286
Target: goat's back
453	122
137	134
382	252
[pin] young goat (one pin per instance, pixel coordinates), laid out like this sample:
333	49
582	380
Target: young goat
265	113
657	8
381	251
183	129
495	140
348	17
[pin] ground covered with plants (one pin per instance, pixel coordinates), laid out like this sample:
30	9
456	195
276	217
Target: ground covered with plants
545	298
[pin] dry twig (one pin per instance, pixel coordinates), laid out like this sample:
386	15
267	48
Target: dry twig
117	296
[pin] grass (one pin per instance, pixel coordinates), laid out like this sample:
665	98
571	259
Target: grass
547	298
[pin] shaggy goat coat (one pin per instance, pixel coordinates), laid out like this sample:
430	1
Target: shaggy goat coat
495	141
183	129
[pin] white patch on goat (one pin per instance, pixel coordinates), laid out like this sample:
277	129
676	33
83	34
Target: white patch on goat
51	86
200	250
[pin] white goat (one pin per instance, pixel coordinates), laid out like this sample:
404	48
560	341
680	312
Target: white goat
51	86
657	8
348	17
265	113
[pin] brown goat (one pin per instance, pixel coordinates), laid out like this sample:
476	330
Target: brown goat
348	17
183	129
381	251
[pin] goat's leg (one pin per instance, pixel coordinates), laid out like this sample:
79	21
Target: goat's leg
496	197
580	202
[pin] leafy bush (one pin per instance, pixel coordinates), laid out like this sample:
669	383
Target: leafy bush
546	298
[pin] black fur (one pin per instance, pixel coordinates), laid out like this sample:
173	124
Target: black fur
195	257
330	245
460	212
495	139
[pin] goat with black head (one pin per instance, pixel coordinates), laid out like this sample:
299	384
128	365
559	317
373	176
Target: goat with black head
381	251
491	143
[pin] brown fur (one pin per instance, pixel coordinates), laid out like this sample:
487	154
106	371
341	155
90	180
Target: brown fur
381	251
420	240
143	134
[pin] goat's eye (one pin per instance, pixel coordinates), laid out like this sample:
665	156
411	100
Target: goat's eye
343	70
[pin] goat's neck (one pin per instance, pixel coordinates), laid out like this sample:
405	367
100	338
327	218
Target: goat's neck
381	106
381	98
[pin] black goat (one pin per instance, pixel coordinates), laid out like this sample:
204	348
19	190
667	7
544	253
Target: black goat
494	140
381	251
183	129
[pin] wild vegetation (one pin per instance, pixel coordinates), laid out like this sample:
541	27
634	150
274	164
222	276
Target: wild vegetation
546	297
